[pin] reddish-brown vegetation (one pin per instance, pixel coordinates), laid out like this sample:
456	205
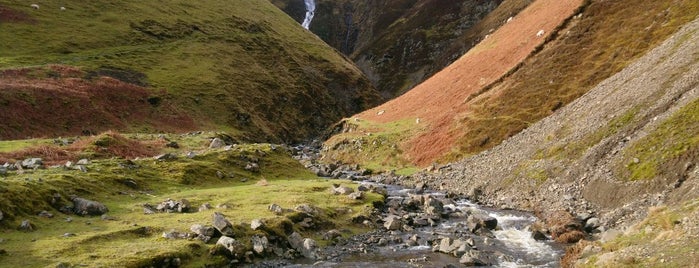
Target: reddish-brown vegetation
8	15
441	98
108	144
61	100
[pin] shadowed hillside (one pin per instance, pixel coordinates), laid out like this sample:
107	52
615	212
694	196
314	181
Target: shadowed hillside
244	67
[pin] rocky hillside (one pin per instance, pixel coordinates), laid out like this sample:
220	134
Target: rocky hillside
400	43
541	60
627	145
245	68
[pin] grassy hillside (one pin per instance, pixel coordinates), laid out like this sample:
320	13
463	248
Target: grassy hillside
481	108
243	66
123	175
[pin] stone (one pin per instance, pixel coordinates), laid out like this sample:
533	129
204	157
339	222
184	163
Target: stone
363	188
222	224
84	207
277	209
172	144
308	209
230	244
203	230
331	235
45	214
307	247
32	163
204	207
216	143
83	162
190	155
3	171
259	243
252	167
256	224
476	222
342	190
166	156
356	195
393	223
472	258
539	235
592	224
26	226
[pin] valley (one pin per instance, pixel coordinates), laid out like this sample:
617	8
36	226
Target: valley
317	133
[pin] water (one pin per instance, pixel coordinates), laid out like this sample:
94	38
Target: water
513	245
310	12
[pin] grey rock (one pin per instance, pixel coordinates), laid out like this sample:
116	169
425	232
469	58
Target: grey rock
259	243
393	223
539	235
342	190
83	207
204	207
190	155
363	188
45	214
592	224
203	230
331	235
26	226
32	163
472	258
252	167
166	156
356	195
307	247
3	171
308	209
256	224
277	209
222	224
229	243
83	162
216	143
477	222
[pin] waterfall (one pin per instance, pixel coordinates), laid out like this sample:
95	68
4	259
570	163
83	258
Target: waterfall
310	11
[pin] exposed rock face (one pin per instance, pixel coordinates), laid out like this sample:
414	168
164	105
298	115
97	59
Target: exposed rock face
305	246
399	43
83	206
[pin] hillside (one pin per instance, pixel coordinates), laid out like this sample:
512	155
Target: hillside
470	106
400	43
245	68
624	151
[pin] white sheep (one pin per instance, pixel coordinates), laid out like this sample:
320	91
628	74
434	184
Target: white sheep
34	6
540	33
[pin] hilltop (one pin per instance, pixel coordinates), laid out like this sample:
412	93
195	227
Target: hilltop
245	68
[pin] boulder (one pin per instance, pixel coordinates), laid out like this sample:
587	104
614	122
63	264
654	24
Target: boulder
259	243
356	195
3	171
170	206
592	224
308	209
82	206
277	209
203	230
392	223
331	235
477	222
32	163
45	214
83	161
472	258
307	247
342	190
233	246
252	167
216	143
166	156
26	226
433	206
222	224
204	207
256	224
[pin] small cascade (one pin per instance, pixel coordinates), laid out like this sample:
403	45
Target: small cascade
310	12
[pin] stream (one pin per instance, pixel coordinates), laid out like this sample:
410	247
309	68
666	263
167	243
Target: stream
310	12
510	244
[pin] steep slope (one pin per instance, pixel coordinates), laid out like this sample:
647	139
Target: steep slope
400	43
471	106
244	67
628	144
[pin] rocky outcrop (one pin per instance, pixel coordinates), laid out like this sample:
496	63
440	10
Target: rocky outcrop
82	206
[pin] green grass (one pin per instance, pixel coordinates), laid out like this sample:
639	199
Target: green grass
15	145
125	243
374	146
243	67
675	140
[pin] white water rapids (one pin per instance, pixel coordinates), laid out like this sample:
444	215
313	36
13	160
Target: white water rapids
310	12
